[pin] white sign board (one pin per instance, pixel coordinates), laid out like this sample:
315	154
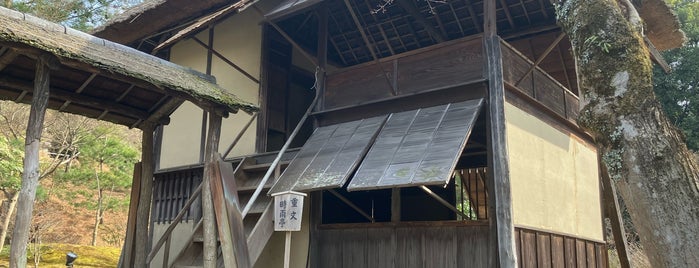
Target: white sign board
288	209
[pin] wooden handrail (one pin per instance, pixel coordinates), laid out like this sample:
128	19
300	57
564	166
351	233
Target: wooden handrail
172	226
274	164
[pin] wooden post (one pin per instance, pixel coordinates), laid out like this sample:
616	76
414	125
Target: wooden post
502	238
127	252
141	248
212	139
30	175
287	249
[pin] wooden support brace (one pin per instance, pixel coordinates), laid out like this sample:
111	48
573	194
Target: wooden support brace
352	205
542	57
656	56
226	60
611	207
7	58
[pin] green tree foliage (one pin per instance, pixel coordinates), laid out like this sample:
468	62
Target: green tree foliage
79	14
11	153
678	91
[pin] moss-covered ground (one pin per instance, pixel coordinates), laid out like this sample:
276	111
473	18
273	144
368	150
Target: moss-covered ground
54	255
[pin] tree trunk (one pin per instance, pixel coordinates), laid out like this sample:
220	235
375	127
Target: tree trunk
98	213
30	175
646	156
6	221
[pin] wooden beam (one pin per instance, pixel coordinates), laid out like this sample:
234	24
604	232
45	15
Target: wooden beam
30	174
286	36
79	90
502	250
212	140
226	60
611	207
8	57
350	204
322	55
145	197
502	227
655	55
360	28
410	7
504	6
76	98
541	58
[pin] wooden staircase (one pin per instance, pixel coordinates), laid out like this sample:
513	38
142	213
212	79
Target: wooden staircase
258	223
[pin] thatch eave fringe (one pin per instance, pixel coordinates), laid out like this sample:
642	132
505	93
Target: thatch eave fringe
107	56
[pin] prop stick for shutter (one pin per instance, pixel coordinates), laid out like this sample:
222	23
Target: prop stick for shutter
288	211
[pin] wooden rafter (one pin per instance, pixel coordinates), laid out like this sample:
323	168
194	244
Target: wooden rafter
410	7
286	36
526	13
77	98
7	57
504	6
79	90
369	45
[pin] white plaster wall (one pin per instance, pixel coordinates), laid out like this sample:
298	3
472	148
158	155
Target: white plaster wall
239	39
554	178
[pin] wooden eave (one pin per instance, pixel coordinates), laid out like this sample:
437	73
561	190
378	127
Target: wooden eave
154	16
98	78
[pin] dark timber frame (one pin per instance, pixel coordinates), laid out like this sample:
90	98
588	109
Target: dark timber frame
416	55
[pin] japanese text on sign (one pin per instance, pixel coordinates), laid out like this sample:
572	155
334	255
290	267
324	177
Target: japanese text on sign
288	208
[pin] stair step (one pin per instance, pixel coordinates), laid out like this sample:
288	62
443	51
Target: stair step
253	185
263	166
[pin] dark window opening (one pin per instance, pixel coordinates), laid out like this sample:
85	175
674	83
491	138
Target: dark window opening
465	192
288	94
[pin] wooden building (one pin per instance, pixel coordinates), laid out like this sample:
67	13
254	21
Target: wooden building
426	134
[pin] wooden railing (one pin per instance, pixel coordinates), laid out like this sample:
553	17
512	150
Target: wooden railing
528	79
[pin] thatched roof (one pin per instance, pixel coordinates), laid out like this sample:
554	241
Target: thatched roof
662	25
153	16
99	78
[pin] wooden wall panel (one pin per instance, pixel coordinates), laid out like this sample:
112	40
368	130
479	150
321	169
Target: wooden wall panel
403	247
548	92
557	256
528	249
572	106
542	249
515	67
408	248
438	67
356	86
450	65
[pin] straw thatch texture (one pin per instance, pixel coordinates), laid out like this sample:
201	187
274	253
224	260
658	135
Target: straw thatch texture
74	47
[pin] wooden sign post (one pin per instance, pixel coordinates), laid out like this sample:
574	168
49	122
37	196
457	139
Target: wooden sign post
288	209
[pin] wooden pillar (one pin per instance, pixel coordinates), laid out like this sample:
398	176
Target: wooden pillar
141	248
31	172
502	238
212	139
322	52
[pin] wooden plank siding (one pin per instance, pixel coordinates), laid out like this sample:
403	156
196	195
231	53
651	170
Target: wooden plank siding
439	246
540	249
447	65
538	85
171	190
